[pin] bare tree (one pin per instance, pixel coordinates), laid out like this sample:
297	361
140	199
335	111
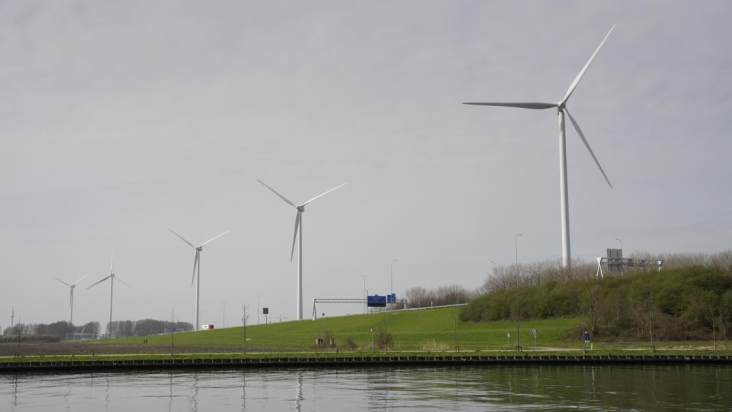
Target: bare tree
244	320
590	302
645	314
712	316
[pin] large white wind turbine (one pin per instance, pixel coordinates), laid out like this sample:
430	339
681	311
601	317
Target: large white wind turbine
298	228
71	298
197	265
561	109
111	278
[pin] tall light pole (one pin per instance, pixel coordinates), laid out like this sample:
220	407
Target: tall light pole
364	292
257	296
516	242
622	268
518	330
391	277
223	315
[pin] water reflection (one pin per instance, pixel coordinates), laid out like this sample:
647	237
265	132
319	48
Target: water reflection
194	393
423	388
106	396
243	391
15	392
170	392
298	391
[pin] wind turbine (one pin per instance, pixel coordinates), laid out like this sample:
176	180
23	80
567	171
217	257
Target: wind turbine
561	109
197	264
111	278
71	298
298	228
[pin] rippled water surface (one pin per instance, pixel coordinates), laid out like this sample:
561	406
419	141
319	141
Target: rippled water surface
353	389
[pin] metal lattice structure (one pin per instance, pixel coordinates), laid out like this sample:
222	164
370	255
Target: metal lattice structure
622	262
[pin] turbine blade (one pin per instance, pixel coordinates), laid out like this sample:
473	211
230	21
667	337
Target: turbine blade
275	192
181	237
319	196
122	282
82	278
207	242
584	69
524	105
61	281
99	282
195	265
111	263
297	226
582	136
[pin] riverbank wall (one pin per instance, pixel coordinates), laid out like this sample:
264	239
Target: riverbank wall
370	361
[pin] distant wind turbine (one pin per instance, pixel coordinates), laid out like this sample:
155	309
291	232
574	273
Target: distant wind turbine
71	298
561	109
111	278
197	265
298	228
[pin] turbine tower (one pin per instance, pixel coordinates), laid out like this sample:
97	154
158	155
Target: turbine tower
561	109
298	228
111	278
71	298
197	265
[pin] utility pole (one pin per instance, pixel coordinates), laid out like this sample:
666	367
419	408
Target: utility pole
391	277
172	330
12	318
518	319
258	296
364	292
223	316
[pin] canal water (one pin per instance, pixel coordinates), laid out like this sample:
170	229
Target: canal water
469	388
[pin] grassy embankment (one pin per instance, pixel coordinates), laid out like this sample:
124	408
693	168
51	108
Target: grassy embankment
416	333
419	330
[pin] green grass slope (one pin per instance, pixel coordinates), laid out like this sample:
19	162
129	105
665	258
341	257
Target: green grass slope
429	329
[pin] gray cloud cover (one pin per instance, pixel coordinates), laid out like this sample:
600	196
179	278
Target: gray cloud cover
122	119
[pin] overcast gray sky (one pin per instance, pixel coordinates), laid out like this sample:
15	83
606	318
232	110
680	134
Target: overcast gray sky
119	120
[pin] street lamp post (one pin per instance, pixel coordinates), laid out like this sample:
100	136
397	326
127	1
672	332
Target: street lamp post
518	319
257	296
364	292
223	315
622	268
391	277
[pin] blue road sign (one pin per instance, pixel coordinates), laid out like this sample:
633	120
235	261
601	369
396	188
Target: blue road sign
376	301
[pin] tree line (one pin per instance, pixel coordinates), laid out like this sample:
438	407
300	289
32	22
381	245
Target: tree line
60	329
419	297
539	273
677	304
146	327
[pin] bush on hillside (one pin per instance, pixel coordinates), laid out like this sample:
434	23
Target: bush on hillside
673	304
